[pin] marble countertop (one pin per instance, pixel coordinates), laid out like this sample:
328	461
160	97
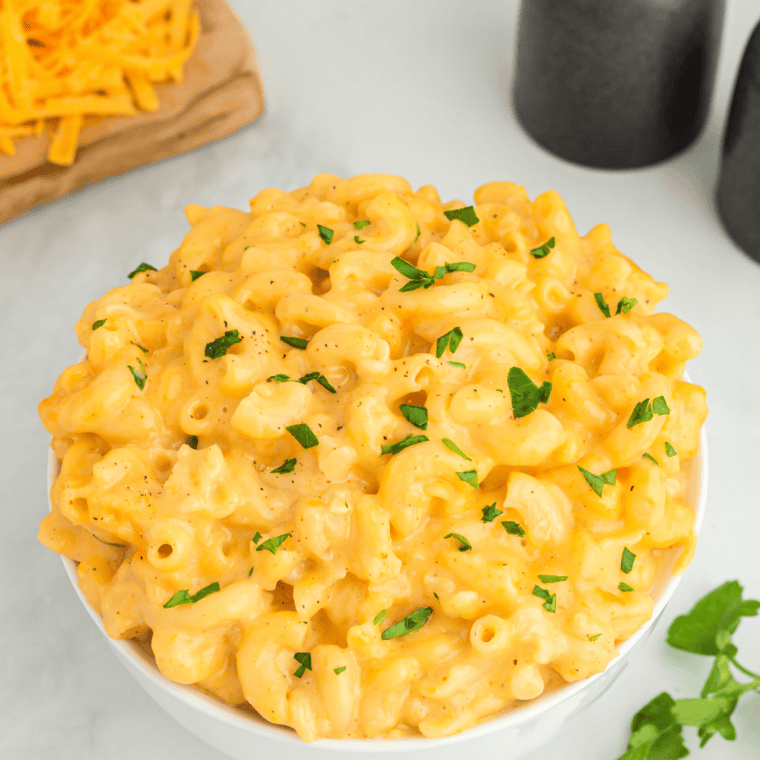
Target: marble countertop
420	89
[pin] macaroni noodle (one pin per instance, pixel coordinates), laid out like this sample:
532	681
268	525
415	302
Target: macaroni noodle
374	464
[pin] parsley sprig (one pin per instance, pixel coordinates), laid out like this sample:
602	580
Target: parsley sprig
526	395
185	597
409	624
657	729
219	347
644	411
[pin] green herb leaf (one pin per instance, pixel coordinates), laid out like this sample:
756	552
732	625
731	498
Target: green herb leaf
625	304
379	617
417	415
513	528
602	304
303	434
404	443
669	450
99	323
338	671
305	659
543	250
642	412
541	593
456	364
450	340
655	734
184	597
647	455
361	224
719	611
256	538
526	395
287	466
457	266
195	274
466	546
250	572
409	624
142	268
466	215
358	240
550	603
272	544
417	236
295	342
594	637
278	378
627	560
551	356
139	375
320	378
408	270
192	441
490	513
553	578
326	233
137	345
470	477
597	482
660	406
219	347
449	444
624	587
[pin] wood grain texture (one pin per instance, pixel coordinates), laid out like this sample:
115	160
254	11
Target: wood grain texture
222	92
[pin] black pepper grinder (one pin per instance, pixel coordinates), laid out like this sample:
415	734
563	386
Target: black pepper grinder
738	193
616	84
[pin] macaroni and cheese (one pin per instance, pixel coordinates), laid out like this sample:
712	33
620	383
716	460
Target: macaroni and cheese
374	464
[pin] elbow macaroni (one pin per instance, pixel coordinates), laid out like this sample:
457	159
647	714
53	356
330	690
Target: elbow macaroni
200	473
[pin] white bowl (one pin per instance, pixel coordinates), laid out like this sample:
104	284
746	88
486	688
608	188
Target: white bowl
243	735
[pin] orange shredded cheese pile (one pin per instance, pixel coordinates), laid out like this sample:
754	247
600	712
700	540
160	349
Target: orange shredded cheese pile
64	60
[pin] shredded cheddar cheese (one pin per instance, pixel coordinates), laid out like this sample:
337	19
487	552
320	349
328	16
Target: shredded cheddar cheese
64	60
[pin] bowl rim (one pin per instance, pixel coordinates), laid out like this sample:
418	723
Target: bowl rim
254	724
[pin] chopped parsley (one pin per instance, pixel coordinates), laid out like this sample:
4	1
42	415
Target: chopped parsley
195	274
513	528
644	411
409	624
137	345
358	240
624	586
416	237
466	546
219	347
456	364
450	340
602	304
470	477
140	375
551	356
627	560
99	323
490	513
660	406
287	466
326	233
553	578
404	443
669	450
192	441
449	444
647	455
256	538
272	544
278	378
550	600
543	250
361	224
142	268
526	395
417	415
379	617
250	572
303	434
594	637
184	597
597	482
320	378
466	215
295	342
419	278
625	304
304	658
338	671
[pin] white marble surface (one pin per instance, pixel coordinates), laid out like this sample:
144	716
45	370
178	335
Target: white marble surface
419	89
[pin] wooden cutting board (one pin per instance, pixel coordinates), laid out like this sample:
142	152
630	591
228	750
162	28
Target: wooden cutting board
222	92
